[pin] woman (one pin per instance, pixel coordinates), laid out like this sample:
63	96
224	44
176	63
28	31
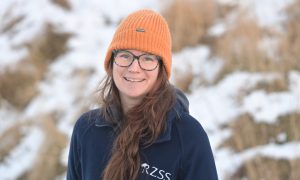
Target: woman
143	129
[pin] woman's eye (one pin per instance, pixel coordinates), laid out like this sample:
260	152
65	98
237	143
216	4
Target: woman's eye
125	56
148	58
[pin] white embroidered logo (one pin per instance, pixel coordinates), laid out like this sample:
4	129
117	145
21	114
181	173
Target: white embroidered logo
155	172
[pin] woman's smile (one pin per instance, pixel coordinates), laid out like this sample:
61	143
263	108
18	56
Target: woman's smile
133	82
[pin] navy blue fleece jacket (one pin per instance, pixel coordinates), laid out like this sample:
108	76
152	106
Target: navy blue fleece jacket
182	151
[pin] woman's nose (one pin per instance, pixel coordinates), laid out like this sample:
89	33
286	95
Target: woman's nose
134	67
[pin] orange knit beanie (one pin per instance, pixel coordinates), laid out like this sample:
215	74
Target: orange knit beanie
143	30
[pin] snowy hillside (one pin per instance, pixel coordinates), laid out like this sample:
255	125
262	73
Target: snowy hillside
51	63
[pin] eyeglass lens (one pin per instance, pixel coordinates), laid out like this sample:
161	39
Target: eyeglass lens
146	61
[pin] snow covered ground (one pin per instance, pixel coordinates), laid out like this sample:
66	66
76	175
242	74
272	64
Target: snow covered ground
213	105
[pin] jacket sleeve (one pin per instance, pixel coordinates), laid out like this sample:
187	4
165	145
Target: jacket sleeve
74	165
197	159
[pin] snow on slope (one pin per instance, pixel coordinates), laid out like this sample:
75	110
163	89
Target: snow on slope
63	90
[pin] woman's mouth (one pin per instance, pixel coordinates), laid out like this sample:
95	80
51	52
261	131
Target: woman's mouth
133	79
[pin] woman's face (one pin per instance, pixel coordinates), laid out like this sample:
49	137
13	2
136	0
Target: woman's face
133	82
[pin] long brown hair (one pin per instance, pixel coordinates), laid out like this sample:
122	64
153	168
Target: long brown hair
139	127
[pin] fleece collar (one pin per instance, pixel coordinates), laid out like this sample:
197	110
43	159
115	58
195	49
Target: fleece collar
163	137
181	105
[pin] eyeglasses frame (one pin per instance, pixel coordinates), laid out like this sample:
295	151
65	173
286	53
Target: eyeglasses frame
115	52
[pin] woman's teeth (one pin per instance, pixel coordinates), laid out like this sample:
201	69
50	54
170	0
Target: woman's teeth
133	79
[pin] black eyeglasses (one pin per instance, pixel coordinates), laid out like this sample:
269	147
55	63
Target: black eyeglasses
147	62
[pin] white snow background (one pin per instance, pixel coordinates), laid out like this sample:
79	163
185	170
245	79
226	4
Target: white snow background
212	106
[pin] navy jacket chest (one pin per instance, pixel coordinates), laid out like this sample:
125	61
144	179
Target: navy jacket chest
159	161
